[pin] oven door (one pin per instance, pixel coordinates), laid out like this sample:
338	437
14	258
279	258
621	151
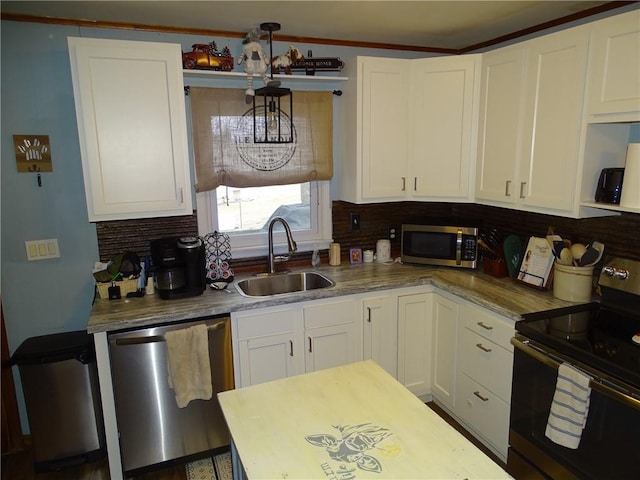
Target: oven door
609	445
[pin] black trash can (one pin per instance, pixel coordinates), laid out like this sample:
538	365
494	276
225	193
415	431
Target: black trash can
60	384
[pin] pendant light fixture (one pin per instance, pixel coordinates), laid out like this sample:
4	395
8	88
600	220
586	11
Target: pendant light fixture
272	105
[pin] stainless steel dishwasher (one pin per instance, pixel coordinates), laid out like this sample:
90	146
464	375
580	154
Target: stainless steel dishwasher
152	428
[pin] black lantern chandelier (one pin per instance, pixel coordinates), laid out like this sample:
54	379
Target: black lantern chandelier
272	124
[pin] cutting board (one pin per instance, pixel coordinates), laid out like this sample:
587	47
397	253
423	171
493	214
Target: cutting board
512	254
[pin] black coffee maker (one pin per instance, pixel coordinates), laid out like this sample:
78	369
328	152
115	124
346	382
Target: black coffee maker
179	266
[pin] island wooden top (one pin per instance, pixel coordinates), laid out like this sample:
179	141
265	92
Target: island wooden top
353	422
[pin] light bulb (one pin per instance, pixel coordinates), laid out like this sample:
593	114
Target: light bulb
272	122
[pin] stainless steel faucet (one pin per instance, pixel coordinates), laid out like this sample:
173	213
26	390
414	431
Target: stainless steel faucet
271	259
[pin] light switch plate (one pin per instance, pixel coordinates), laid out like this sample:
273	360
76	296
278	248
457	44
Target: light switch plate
42	249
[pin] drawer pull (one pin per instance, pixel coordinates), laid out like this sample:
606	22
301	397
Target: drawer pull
484	399
483	348
369	314
485	326
291	348
310	345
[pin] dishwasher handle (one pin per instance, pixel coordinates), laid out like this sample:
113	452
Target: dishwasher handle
160	338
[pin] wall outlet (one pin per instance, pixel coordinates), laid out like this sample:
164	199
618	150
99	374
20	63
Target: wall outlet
394	232
355	222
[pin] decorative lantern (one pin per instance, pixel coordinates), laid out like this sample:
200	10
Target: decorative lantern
272	106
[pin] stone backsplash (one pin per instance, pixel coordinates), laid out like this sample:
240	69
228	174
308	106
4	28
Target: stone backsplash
620	234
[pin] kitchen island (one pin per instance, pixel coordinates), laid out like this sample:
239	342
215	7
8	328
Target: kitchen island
349	423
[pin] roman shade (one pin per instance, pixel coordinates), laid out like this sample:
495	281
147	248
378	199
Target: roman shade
225	153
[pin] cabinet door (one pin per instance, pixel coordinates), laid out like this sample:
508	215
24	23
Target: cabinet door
380	332
132	128
443	107
384	87
614	72
328	347
501	116
553	115
333	333
267	358
445	333
414	342
267	344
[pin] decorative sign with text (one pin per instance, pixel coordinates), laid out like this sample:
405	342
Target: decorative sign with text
33	153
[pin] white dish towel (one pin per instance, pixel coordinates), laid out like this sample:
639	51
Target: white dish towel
569	408
188	364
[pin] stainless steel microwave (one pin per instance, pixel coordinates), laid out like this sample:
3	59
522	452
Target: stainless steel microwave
440	245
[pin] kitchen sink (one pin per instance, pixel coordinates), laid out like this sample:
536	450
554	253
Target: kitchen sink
283	283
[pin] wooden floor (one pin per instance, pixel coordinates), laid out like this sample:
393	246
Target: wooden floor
19	466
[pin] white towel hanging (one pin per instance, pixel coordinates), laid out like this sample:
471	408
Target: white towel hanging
188	364
569	408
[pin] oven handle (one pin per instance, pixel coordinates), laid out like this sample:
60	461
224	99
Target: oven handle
597	383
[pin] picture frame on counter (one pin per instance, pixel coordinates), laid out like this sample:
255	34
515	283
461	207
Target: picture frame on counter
355	255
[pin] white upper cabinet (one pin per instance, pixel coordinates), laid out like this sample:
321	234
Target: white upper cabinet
556	75
374	122
407	129
530	123
614	72
132	128
501	117
444	111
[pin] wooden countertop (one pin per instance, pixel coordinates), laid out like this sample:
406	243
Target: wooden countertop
501	295
351	422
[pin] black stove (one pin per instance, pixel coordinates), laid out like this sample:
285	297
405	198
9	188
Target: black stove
592	334
604	335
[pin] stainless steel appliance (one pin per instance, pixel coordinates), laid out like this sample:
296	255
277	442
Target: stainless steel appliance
60	383
179	266
601	340
440	245
152	428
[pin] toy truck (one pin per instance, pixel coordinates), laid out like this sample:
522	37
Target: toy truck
206	56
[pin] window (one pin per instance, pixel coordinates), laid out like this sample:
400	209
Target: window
244	214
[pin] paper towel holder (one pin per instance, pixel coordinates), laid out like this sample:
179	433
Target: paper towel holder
630	196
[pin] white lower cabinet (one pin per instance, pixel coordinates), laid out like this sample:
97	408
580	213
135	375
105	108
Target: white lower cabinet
266	345
332	332
278	342
414	342
380	331
445	339
483	376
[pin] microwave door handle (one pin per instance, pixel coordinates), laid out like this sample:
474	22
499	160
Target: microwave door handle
459	247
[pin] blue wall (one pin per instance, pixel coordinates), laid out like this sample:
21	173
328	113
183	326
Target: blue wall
51	296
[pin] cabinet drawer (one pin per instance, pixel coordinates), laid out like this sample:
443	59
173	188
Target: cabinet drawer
488	325
484	412
487	363
269	322
333	313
